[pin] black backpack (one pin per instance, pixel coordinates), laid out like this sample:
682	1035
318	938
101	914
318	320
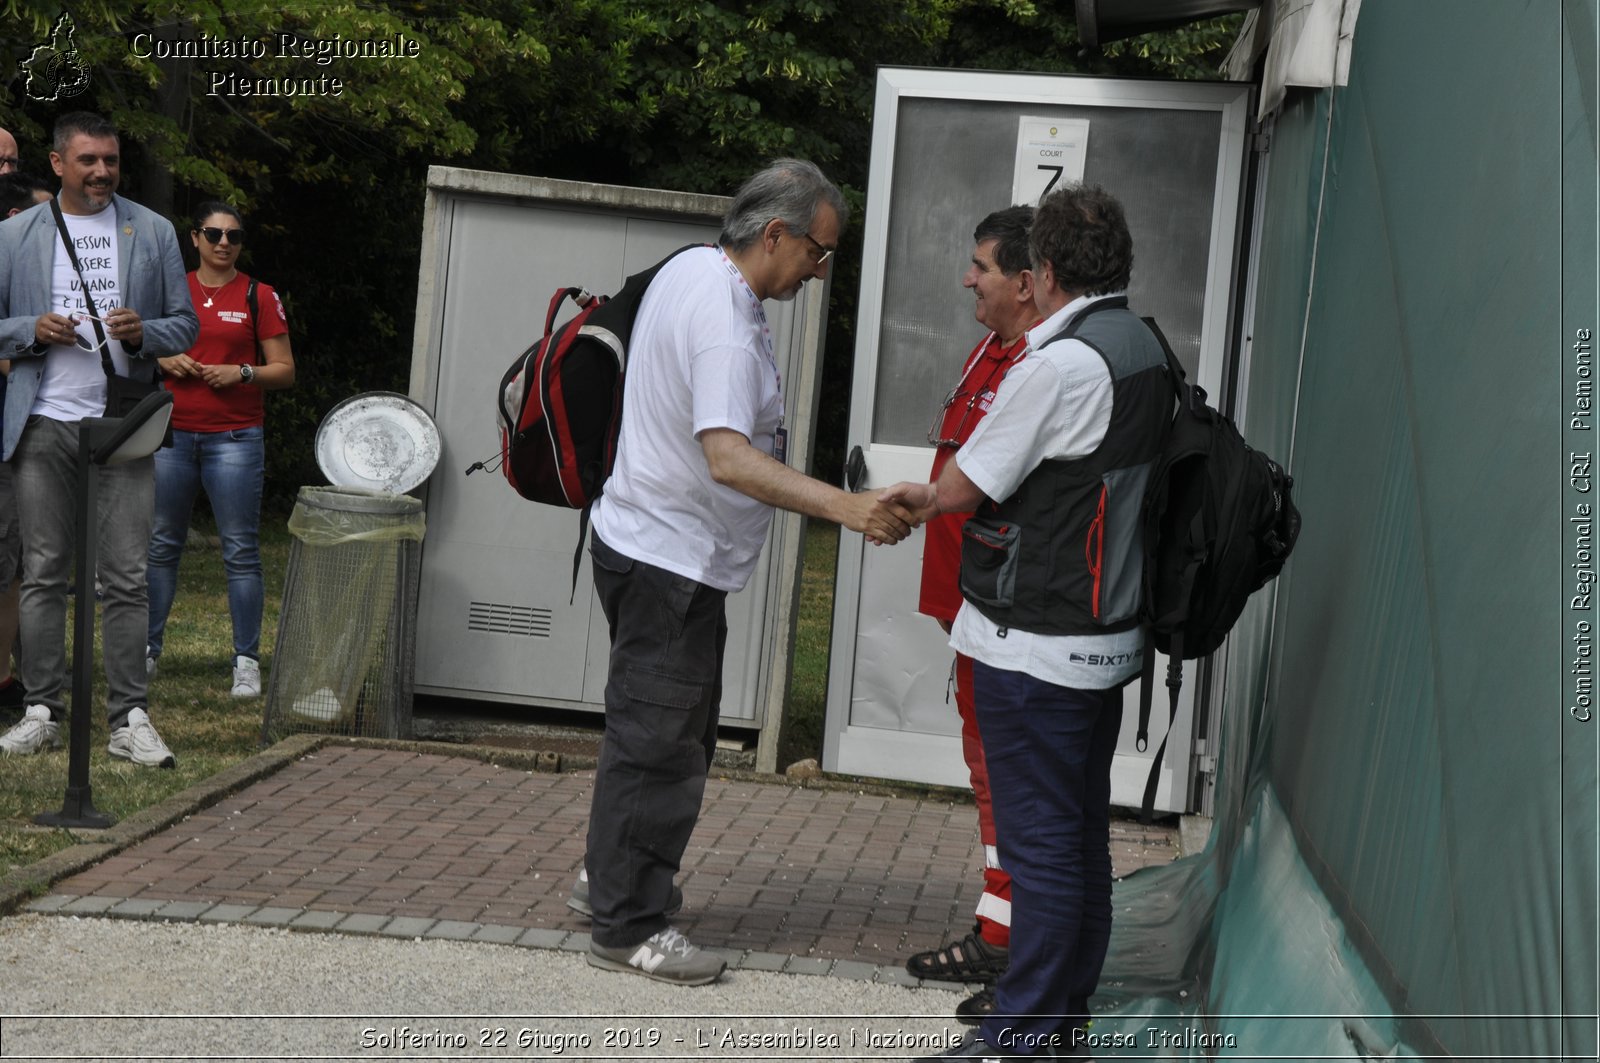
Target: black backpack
1218	525
560	402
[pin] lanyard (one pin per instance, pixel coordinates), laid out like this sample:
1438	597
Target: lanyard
766	329
998	366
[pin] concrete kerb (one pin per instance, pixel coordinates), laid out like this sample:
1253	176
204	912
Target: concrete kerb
422	929
548	761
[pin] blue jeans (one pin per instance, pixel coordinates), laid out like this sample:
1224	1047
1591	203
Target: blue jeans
1049	751
229	465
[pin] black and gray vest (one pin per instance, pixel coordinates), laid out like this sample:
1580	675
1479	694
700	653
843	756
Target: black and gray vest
1063	555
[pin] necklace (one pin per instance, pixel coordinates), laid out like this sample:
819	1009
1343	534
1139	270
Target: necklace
210	293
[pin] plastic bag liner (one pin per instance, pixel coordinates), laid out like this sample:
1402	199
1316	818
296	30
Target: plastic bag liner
329	516
345	656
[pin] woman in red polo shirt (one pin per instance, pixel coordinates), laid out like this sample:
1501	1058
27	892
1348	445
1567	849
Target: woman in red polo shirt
217	438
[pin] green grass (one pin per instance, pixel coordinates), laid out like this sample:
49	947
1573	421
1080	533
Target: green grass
808	691
190	705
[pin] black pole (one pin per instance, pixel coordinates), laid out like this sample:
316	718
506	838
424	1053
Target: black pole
77	808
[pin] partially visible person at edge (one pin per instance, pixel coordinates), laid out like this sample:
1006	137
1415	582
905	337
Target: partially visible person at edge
21	191
678	526
133	270
1064	453
10	154
217	438
18	192
1000	279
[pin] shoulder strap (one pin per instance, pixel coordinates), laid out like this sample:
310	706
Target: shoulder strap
94	315
1174	683
1115	302
577	553
1180	388
255	319
1179	377
634	288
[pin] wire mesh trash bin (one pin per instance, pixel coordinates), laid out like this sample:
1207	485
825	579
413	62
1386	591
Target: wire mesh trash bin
345	656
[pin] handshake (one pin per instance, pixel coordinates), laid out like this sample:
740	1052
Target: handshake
889	515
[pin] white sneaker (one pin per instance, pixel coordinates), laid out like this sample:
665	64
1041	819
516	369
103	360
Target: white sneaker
246	677
149	667
139	742
34	732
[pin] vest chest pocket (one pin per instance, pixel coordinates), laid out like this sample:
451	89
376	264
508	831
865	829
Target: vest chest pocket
989	552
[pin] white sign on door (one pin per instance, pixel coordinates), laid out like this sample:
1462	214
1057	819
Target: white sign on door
1050	153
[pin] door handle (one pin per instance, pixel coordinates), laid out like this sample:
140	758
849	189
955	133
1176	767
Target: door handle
855	469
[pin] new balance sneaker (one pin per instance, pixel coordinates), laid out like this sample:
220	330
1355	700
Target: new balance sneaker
34	732
138	741
578	897
246	677
666	956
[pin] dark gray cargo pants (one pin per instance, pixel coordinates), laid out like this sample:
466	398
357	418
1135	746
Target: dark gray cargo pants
663	694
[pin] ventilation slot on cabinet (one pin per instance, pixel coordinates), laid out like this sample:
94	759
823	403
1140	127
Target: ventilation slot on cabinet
509	619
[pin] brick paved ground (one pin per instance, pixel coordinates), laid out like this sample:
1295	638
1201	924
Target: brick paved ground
771	868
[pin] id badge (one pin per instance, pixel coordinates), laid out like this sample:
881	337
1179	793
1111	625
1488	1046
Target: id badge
780	445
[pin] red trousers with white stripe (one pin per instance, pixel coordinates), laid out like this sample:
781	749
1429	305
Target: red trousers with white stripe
994	907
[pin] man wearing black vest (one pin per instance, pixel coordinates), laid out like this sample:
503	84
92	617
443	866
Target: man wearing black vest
1050	574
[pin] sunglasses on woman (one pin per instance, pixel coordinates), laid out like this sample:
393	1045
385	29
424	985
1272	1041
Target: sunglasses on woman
214	235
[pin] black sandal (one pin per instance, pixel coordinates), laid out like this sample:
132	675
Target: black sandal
970	959
973	1010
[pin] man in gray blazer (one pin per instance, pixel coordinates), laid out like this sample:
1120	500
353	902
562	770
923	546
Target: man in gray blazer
129	262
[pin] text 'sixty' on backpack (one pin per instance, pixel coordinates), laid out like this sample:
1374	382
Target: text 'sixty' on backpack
560	402
1218	525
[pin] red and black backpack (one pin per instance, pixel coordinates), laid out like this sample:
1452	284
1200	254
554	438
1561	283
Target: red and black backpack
560	402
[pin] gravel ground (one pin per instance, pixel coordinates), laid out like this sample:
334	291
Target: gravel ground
84	988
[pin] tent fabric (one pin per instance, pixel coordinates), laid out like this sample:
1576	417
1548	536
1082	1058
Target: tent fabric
1404	851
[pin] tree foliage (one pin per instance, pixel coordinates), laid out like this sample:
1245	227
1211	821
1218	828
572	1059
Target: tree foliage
683	94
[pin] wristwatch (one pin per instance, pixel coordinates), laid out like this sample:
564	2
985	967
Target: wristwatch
247	373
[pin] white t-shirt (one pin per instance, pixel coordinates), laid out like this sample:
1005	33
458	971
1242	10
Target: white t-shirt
699	359
1055	403
73	383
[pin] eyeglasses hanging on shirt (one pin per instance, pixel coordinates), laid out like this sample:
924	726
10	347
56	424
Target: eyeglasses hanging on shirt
959	431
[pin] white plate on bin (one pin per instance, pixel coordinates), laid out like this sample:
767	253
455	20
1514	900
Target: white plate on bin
379	440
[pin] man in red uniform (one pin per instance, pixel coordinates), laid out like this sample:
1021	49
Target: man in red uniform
1001	278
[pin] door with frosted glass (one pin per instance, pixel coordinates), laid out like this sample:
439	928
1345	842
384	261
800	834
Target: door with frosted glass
949	147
